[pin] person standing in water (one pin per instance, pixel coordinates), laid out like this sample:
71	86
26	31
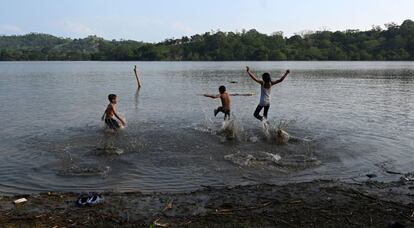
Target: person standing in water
110	113
225	102
266	85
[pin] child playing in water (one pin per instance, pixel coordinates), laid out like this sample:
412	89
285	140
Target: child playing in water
225	102
110	112
266	85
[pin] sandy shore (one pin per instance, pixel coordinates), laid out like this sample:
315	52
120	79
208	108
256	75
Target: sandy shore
312	204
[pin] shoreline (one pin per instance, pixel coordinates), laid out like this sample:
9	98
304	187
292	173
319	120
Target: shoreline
320	203
196	61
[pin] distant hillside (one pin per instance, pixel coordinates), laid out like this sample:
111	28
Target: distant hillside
36	46
396	42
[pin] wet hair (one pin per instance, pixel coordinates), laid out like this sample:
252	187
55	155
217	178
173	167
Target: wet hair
111	97
266	78
222	89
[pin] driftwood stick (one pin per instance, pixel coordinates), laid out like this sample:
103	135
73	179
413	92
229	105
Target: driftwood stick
137	77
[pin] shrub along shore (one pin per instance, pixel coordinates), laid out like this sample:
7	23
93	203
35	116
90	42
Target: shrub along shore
395	42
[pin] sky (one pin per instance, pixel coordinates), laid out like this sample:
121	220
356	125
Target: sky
157	20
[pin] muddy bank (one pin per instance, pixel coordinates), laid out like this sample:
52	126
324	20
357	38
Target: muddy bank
312	204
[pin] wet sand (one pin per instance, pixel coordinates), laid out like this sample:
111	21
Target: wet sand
313	204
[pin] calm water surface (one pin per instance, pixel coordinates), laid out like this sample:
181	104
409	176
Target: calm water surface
346	119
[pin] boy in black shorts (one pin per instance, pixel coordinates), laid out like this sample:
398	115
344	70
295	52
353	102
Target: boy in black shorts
110	112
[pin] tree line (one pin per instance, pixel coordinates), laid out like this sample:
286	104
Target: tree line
395	42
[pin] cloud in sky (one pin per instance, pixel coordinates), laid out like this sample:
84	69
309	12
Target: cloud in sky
139	27
181	27
10	29
156	20
263	3
77	29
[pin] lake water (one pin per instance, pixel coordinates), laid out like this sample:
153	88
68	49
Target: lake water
346	119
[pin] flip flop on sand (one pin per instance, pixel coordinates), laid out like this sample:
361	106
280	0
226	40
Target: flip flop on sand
82	200
91	199
95	198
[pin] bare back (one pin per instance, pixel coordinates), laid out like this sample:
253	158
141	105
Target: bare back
225	100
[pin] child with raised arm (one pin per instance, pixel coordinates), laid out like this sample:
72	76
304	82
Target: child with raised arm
110	113
266	84
225	102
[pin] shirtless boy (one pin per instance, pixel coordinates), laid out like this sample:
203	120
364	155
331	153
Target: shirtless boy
110	113
225	102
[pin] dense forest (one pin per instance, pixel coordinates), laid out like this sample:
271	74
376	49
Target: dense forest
395	42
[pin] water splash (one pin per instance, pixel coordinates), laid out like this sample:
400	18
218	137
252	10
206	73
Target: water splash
274	157
295	154
109	150
73	167
231	128
277	132
266	128
283	163
84	171
253	159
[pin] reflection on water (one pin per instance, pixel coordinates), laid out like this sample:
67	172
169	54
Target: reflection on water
137	98
327	120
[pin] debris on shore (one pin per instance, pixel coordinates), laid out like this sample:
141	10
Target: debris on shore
312	204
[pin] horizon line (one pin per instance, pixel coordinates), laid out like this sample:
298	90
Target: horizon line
212	31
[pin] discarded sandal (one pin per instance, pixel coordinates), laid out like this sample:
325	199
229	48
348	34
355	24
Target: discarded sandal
91	199
95	198
82	200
